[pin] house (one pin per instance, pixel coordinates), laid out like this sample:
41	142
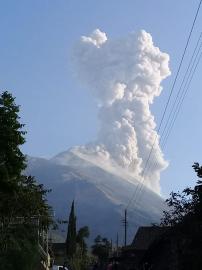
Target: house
131	257
146	235
179	247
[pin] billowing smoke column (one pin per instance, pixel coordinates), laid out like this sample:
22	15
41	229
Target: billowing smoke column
124	76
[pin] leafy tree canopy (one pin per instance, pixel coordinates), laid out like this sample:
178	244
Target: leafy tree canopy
12	160
22	198
101	249
185	206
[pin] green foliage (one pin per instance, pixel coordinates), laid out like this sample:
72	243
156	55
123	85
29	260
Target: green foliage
22	198
71	234
12	161
101	249
80	239
76	246
185	206
184	220
22	248
79	260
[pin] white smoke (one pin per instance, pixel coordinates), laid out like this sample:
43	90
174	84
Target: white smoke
124	76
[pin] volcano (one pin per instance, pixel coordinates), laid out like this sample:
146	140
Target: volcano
101	194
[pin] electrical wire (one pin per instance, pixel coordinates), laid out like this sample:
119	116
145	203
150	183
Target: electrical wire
176	113
186	75
167	103
193	63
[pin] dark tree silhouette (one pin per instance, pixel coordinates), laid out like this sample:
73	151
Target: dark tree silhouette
183	224
12	161
101	249
71	234
185	205
22	198
80	238
76	247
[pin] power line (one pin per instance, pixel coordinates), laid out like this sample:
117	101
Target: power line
188	71
177	111
184	87
167	103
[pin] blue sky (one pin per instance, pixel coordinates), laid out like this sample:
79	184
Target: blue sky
35	50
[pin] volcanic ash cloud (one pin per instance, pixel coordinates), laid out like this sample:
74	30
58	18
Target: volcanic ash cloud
124	76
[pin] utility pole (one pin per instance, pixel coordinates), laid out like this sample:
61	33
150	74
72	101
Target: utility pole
117	244
125	223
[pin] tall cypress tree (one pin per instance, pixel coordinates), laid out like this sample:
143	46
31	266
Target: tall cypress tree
71	234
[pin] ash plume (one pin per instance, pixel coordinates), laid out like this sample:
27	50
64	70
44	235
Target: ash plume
124	76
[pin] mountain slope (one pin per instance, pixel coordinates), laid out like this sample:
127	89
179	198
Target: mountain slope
100	195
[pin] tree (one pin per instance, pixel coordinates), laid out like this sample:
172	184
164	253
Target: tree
183	232
185	206
12	161
76	247
22	199
80	239
71	234
101	249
